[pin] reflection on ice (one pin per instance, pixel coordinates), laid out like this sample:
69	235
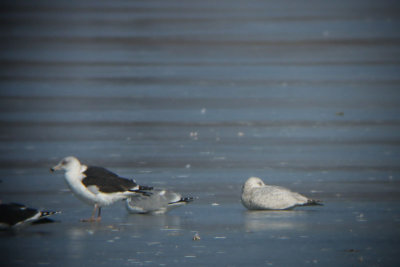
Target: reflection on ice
79	238
142	222
273	220
76	245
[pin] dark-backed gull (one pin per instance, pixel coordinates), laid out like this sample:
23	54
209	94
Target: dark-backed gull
96	185
159	202
258	196
15	215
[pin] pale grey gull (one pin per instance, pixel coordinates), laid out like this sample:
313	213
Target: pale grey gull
159	202
258	196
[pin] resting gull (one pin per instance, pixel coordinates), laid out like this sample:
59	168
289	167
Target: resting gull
258	196
15	215
96	185
159	202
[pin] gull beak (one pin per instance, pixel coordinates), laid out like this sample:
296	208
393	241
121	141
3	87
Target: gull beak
55	168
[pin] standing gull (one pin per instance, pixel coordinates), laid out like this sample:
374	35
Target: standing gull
96	185
258	196
159	202
15	215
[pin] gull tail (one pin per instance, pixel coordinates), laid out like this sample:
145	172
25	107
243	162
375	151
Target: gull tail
183	200
143	189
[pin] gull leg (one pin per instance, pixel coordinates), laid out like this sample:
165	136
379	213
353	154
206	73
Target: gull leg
99	215
91	219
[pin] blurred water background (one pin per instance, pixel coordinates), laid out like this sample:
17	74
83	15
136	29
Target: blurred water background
197	96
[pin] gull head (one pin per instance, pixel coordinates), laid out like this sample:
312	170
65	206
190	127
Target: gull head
67	164
253	182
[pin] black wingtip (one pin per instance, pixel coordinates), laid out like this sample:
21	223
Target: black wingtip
48	213
145	188
187	199
314	202
183	200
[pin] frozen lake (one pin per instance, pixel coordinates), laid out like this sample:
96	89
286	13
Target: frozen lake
197	96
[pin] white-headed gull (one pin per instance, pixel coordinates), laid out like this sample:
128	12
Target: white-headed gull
158	203
96	185
258	196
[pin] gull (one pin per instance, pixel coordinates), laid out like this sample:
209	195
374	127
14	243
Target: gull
96	185
15	215
159	202
258	196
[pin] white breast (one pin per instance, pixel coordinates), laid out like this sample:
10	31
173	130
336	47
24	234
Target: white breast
74	182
